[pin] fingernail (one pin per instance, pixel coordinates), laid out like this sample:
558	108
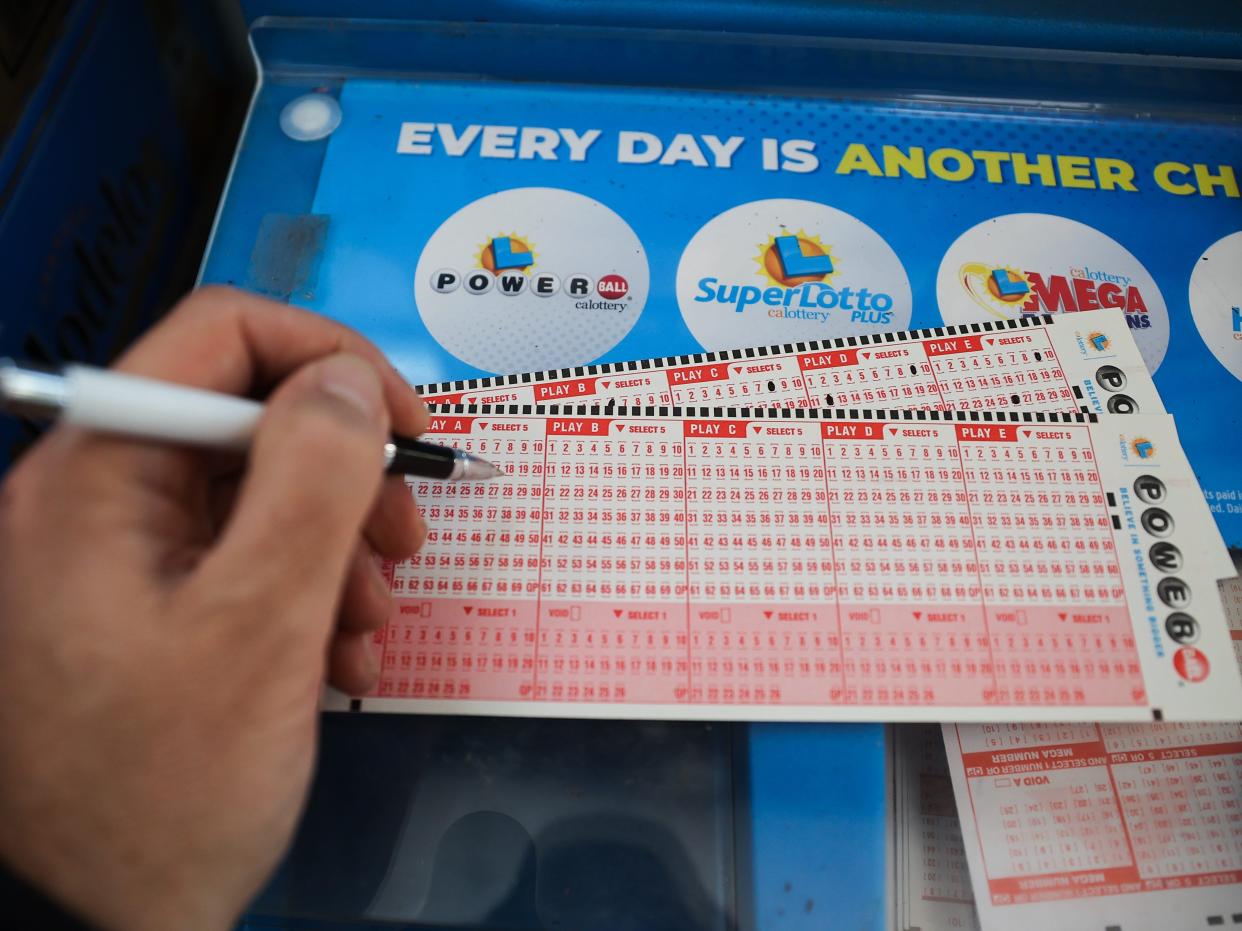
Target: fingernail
353	381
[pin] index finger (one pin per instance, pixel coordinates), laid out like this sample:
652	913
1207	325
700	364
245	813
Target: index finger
223	339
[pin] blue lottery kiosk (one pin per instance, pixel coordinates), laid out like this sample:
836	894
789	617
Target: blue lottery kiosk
481	823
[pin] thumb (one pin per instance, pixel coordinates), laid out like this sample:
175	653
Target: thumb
315	470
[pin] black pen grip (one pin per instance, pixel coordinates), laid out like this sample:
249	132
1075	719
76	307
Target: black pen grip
427	460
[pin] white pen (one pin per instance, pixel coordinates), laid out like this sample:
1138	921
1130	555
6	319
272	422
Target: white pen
147	409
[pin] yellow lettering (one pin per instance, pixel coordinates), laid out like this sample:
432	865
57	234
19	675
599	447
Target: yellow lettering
1075	171
1164	178
1023	169
992	162
857	158
1224	179
1115	173
896	161
965	167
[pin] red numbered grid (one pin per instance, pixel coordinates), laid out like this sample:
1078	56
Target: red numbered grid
1044	540
1014	369
1086	810
732	562
759	548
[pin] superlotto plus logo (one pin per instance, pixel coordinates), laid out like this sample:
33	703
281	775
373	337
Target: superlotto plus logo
1006	291
531	278
796	272
793	269
1024	264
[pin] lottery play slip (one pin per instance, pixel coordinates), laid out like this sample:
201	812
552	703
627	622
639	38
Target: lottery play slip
1124	827
1086	362
810	564
1115	827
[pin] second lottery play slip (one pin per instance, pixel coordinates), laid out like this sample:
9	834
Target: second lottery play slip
1121	826
1032	363
799	564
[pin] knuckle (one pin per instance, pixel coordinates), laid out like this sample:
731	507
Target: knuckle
209	299
214	300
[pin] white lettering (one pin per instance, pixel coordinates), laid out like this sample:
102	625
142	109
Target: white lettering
722	152
629	151
453	144
538	141
578	145
414	139
498	141
683	148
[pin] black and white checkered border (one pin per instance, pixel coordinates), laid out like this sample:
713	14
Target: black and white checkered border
735	355
755	413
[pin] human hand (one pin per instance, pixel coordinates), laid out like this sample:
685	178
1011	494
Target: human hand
167	619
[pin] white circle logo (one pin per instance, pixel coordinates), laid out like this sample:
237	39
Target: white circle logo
1216	301
531	278
1035	263
778	271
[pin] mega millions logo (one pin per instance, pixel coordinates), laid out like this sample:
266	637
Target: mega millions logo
1006	292
796	271
508	263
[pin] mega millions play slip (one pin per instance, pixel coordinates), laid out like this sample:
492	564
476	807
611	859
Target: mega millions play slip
1116	827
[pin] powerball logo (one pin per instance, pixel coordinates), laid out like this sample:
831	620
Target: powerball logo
796	271
1005	291
508	263
530	278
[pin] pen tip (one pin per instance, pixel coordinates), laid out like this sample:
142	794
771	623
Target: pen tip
482	469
